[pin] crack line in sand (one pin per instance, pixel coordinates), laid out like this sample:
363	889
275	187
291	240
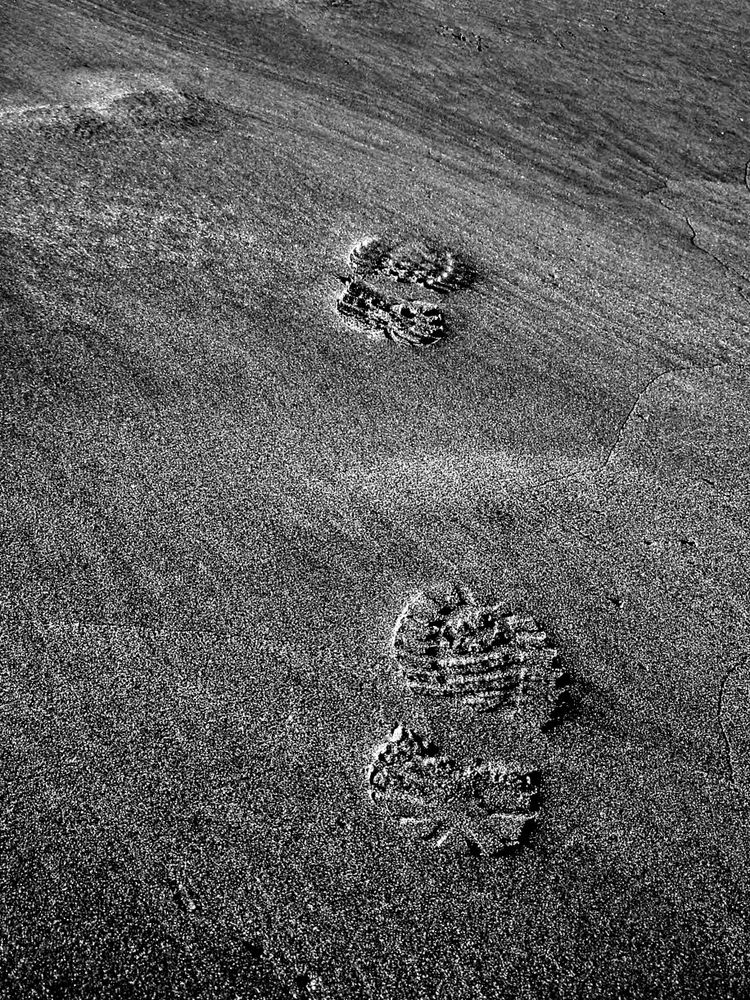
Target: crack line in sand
727	267
662	185
568	477
641	395
583	474
645	391
722	727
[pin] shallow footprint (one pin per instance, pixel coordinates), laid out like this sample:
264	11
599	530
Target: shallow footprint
416	323
113	110
481	808
484	655
413	262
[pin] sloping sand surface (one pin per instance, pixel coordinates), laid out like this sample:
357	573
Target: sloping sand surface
217	495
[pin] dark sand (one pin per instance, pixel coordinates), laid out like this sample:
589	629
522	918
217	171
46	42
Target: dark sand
216	495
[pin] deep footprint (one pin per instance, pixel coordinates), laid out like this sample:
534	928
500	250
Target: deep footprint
418	324
413	262
484	655
481	808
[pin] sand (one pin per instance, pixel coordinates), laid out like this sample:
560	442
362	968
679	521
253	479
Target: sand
219	492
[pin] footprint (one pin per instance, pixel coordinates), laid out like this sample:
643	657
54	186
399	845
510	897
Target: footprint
406	321
413	262
481	808
365	309
484	655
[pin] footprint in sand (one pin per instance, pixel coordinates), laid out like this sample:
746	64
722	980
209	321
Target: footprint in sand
413	262
416	323
479	808
403	321
486	656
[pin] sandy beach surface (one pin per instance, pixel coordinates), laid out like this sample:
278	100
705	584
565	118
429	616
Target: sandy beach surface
221	490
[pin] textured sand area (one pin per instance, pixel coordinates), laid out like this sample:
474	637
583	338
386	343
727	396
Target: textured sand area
219	492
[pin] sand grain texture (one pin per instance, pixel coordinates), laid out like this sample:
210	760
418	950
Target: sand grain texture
217	495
